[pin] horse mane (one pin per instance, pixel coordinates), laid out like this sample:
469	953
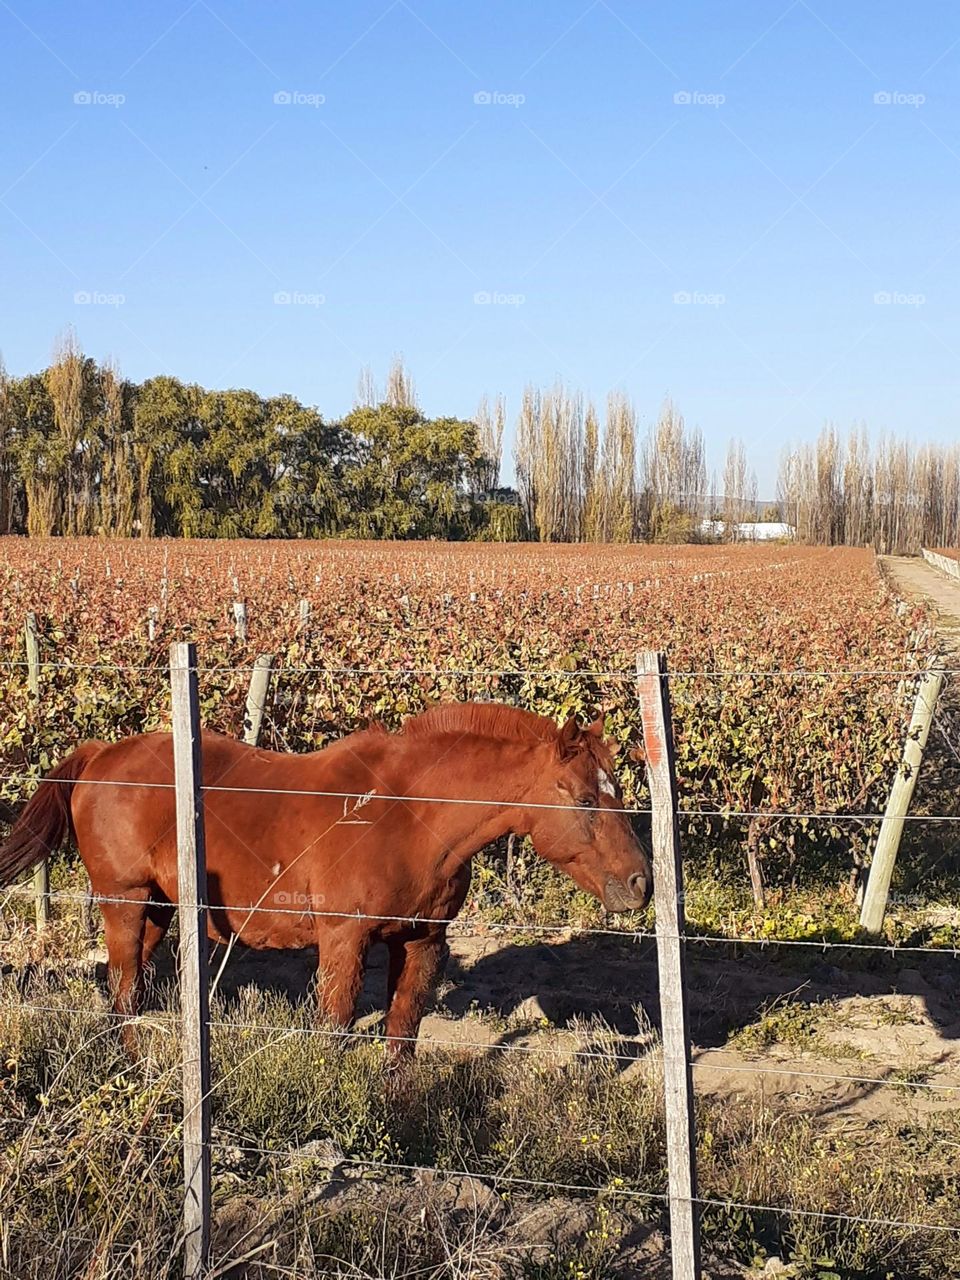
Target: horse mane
483	719
499	721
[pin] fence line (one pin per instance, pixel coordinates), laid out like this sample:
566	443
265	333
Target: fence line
624	1192
370	797
564	926
552	929
154	1020
623	674
682	1196
628	1192
746	1069
829	1216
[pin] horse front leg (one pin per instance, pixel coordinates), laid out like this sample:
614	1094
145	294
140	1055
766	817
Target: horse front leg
415	965
342	949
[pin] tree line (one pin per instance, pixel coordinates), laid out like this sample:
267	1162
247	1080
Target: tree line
85	451
896	496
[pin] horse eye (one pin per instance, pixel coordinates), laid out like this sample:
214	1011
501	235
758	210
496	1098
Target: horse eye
587	802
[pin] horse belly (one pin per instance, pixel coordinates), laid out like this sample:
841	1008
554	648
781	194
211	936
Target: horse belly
266	910
259	861
262	930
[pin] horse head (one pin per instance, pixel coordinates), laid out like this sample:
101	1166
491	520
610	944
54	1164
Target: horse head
581	827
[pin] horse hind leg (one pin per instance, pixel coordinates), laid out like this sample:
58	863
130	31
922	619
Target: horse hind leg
123	928
155	929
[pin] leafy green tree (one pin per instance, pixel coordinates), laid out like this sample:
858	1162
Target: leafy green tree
406	474
168	450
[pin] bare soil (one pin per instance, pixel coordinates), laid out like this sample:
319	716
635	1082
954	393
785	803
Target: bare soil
878	1021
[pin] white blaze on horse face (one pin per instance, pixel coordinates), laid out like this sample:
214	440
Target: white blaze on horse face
605	783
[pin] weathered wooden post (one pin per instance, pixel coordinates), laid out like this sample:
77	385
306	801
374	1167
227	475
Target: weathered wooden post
654	697
511	841
31	640
41	877
257	698
304	614
898	802
194	999
240	619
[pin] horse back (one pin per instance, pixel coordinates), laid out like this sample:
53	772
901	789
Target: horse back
272	836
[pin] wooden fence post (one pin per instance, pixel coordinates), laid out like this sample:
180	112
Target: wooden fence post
41	877
898	803
194	996
304	614
257	698
654	697
31	641
240	619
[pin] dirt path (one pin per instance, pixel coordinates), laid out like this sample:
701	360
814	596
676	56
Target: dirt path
913	579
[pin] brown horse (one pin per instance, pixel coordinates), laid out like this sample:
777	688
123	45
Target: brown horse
286	868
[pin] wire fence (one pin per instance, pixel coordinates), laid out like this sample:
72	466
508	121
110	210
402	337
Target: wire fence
554	929
485	802
615	1049
625	674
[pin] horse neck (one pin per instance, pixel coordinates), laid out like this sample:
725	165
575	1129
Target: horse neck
476	769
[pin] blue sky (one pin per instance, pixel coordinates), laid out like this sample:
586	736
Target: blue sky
628	157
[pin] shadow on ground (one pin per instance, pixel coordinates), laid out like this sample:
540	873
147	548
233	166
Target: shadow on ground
616	979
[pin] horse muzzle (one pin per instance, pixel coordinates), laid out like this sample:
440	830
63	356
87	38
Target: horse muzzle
630	895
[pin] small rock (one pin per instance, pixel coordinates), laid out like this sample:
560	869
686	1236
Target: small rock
562	1224
234	1220
463	1195
530	1010
777	1267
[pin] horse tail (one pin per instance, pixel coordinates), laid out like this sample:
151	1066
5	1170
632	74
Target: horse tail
45	819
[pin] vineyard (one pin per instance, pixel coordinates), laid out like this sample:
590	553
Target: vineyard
759	641
528	1142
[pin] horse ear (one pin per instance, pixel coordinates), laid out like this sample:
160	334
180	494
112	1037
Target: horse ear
596	727
568	738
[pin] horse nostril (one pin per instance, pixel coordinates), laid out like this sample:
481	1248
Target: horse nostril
637	884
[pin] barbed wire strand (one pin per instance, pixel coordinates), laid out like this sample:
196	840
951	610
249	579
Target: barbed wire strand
154	1020
553	929
24	891
625	673
625	1192
370	797
747	1069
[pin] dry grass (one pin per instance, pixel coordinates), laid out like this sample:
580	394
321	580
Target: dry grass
90	1165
